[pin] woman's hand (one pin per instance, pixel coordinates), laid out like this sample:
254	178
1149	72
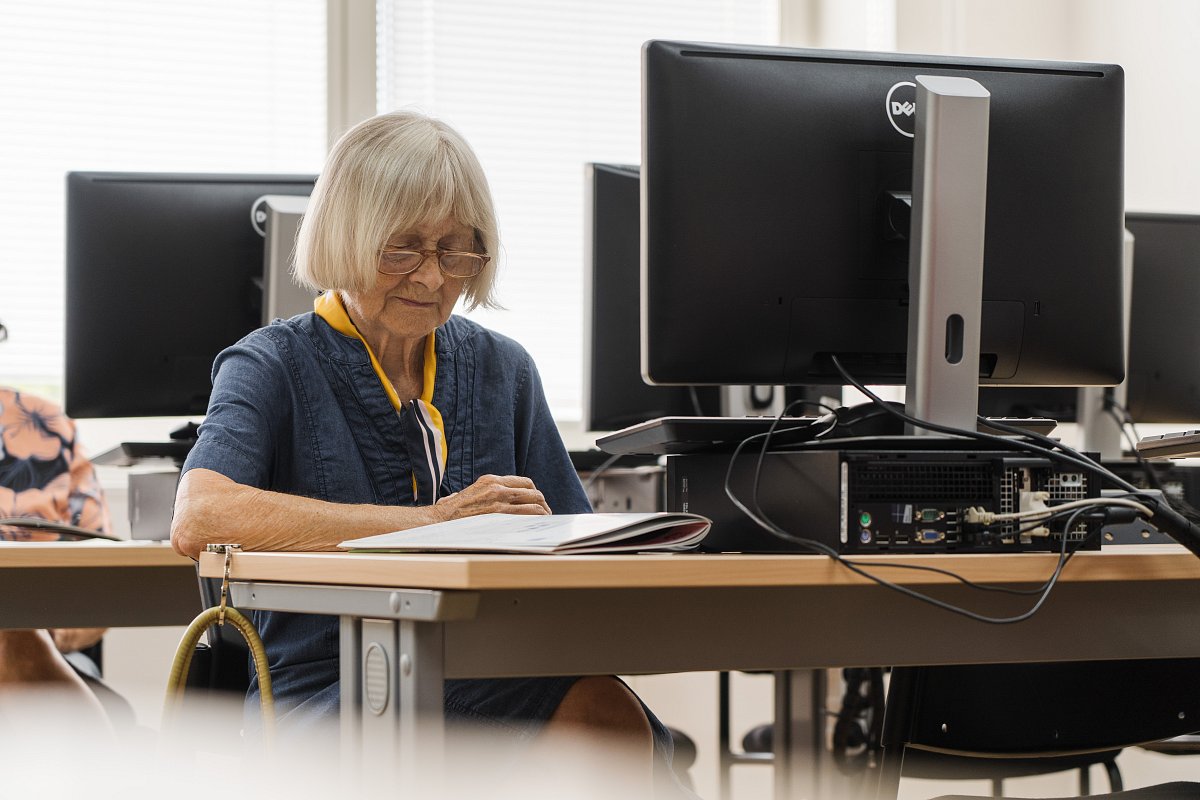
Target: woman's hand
211	508
493	494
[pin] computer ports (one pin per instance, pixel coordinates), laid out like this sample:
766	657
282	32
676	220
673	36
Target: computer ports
929	536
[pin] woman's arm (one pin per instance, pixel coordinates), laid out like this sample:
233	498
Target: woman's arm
212	509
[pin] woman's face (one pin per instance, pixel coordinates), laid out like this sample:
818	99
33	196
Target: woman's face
413	305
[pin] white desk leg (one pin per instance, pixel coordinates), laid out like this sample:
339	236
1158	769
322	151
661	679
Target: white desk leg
799	735
422	712
402	722
351	693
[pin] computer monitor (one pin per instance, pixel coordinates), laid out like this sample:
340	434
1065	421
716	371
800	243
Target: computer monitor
1162	383
1059	403
614	394
776	232
163	271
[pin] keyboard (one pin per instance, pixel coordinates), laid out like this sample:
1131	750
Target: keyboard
1178	444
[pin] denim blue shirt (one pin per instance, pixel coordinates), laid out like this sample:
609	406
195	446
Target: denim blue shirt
296	407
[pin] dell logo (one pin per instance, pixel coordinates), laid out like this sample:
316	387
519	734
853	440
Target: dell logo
901	106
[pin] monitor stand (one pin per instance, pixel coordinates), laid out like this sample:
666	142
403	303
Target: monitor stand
945	273
752	401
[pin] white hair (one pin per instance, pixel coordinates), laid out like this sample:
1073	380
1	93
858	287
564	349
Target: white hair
386	176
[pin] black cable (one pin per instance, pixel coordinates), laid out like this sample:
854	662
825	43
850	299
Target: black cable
758	515
812	544
1122	419
1128	430
760	518
1051	447
1165	517
598	471
859	568
38	523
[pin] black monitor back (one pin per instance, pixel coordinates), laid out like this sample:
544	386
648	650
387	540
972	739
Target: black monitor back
614	393
1163	383
163	272
769	246
1163	375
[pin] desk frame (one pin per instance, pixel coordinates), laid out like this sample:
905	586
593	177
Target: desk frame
399	645
95	585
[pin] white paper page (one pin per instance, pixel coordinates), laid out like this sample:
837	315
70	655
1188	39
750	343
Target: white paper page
499	531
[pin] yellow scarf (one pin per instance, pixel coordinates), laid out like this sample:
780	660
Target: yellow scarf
328	306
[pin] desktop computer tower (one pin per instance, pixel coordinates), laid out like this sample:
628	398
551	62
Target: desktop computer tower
880	500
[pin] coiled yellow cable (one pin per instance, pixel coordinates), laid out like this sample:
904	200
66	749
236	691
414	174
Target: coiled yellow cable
177	681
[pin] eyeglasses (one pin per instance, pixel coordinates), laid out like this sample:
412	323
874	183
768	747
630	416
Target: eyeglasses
454	263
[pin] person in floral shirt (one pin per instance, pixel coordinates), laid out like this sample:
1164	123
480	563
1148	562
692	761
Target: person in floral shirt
44	475
43	472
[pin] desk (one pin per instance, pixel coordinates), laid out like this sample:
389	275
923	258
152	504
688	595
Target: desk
410	621
95	584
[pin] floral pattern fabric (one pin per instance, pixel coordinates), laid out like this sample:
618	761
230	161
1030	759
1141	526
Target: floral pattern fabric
43	471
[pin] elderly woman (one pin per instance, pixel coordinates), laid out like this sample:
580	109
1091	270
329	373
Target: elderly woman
380	411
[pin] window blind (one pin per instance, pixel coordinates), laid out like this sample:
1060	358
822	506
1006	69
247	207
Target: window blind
138	85
539	88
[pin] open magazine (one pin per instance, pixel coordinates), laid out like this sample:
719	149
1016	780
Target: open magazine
557	533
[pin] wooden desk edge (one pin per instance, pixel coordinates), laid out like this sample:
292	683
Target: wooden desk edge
474	572
22	555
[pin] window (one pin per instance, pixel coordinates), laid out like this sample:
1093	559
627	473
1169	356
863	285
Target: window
539	88
138	85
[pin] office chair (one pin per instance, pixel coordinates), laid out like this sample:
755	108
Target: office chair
856	737
1061	716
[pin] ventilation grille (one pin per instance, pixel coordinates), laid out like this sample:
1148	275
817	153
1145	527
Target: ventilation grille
899	482
1009	485
1064	486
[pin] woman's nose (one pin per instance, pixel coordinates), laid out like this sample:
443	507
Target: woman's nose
429	273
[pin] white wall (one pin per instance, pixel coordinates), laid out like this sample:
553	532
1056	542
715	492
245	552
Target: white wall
1156	43
1153	40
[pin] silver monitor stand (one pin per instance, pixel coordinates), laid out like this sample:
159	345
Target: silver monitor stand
945	272
279	216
